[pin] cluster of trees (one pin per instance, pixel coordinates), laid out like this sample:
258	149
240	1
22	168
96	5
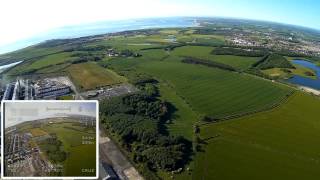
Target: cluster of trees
273	61
238	52
209	31
53	149
137	120
170	47
86	48
141	79
191	60
285	52
81	57
129	53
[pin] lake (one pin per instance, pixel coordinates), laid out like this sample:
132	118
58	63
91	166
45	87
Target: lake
304	81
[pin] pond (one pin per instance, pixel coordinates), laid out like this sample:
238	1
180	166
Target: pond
304	81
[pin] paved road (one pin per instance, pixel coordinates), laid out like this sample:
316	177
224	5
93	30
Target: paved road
111	154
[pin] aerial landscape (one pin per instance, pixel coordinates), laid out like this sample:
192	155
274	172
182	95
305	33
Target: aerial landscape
184	97
47	142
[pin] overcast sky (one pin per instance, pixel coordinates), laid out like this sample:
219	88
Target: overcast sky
18	112
20	19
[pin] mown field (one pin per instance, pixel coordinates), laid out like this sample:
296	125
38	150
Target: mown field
279	144
214	92
183	117
90	76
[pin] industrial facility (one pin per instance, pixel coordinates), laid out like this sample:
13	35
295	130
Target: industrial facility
50	89
25	89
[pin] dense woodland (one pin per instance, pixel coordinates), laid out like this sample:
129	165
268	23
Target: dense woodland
137	120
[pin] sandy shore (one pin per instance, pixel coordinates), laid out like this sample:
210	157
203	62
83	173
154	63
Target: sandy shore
310	90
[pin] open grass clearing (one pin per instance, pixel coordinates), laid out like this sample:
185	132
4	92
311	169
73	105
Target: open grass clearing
204	52
91	76
214	92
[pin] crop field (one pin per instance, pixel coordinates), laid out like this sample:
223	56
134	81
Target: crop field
37	132
214	92
90	76
278	144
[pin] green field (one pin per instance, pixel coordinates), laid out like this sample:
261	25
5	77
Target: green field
300	70
88	160
204	52
28	53
90	76
71	137
47	61
278	144
183	117
214	92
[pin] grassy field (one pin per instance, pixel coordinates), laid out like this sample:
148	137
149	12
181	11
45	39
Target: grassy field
204	52
47	61
279	144
300	70
183	118
214	92
71	136
88	160
90	76
27	53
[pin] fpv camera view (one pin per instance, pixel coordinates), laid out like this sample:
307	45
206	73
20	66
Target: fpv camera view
46	139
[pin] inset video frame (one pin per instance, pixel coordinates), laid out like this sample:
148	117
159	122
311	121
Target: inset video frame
84	139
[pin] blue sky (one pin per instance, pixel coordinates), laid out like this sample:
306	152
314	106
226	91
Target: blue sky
23	19
299	12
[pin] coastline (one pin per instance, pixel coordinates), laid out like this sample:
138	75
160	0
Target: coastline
309	90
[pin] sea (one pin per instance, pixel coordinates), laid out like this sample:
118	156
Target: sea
100	28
